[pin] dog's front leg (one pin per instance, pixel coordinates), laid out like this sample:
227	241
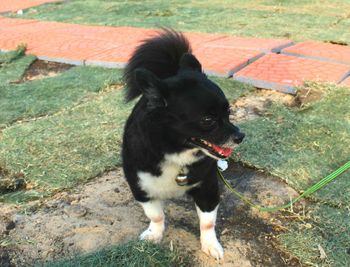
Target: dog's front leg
209	241
154	211
206	198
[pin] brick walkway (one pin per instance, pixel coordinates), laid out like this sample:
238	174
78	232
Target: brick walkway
276	64
16	5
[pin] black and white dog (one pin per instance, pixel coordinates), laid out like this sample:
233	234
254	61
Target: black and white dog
175	134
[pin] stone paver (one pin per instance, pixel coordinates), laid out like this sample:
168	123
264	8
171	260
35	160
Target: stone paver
224	55
111	46
224	61
199	39
70	43
73	50
320	50
33	33
221	55
119	35
125	40
106	46
15	5
261	44
27	27
114	57
7	22
284	72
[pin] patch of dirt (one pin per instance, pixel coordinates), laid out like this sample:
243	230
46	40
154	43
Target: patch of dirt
40	69
5	258
103	212
252	106
306	96
10	182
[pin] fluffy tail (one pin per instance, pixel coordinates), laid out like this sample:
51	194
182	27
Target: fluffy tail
160	54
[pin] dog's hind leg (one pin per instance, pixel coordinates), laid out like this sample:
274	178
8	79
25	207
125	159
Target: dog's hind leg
154	211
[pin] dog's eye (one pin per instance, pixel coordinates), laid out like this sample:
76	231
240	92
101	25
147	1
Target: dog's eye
207	122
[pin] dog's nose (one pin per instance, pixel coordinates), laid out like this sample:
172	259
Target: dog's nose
239	138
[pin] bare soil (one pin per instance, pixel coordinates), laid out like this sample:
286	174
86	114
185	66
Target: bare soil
40	69
306	96
103	212
252	106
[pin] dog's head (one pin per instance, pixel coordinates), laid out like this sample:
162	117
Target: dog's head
196	109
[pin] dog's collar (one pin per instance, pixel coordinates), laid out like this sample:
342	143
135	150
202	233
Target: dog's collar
182	179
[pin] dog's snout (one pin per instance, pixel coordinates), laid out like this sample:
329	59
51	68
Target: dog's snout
238	138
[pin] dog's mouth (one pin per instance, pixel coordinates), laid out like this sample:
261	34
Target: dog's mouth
213	149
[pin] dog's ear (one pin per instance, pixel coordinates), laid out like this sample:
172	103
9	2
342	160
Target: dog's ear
151	87
189	61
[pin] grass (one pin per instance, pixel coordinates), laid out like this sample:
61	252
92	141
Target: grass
132	254
76	133
297	20
46	96
302	146
12	66
78	138
65	149
329	228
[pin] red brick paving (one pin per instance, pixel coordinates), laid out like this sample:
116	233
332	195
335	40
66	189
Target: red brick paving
219	54
7	22
76	49
261	44
199	39
125	40
33	33
15	5
110	46
283	72
224	61
117	56
64	42
321	50
224	55
119	35
31	27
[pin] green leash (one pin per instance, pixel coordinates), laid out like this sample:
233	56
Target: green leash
308	192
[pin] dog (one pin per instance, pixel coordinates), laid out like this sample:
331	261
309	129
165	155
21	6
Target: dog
175	134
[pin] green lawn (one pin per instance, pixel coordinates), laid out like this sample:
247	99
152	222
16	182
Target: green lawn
77	133
60	131
46	96
12	66
304	145
301	146
132	254
298	20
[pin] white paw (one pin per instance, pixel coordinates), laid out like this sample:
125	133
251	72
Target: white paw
213	248
154	236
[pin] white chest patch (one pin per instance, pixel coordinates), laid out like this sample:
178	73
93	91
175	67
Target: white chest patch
165	186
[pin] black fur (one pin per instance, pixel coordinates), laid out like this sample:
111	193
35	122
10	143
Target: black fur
160	55
178	102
